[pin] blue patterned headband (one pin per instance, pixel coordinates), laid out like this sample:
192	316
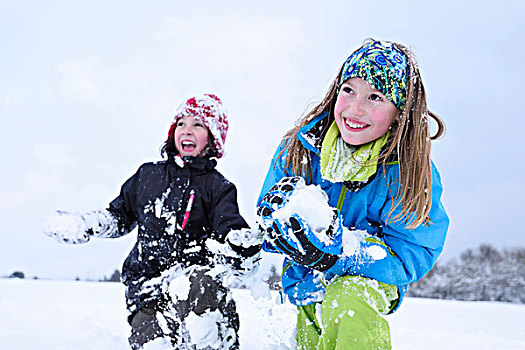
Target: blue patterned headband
383	66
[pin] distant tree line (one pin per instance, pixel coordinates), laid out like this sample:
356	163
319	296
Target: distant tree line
17	274
484	273
115	277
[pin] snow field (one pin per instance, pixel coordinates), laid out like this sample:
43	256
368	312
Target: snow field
44	314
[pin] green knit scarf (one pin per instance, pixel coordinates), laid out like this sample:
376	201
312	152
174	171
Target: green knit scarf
343	162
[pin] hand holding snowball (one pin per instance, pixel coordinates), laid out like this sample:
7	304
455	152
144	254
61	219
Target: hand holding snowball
67	227
76	228
299	223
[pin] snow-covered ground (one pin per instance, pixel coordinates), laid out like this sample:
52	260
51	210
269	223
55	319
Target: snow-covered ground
37	314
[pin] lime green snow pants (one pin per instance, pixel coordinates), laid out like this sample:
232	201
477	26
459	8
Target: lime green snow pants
349	317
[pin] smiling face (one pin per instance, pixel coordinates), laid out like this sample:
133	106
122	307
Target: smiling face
191	136
362	113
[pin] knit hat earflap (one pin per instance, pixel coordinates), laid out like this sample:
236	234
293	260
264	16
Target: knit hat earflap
209	109
382	65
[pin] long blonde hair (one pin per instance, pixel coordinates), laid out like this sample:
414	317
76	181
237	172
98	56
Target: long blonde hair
410	140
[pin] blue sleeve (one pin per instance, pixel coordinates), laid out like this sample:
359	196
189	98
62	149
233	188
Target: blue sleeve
401	256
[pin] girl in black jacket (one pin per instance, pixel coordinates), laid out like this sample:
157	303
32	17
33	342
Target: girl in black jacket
189	226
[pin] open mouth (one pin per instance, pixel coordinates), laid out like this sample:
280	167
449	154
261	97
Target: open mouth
354	125
188	146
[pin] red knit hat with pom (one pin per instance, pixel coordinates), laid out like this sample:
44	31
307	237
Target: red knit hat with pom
209	109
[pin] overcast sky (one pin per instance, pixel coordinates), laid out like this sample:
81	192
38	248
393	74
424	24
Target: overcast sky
88	90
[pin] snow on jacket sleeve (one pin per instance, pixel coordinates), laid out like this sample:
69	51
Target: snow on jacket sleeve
402	256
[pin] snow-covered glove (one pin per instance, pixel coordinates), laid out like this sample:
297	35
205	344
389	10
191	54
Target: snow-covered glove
247	245
245	242
295	238
240	252
76	228
276	198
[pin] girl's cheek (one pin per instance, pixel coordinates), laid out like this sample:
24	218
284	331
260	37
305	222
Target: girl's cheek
339	107
341	104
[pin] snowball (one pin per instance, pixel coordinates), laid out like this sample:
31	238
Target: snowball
351	241
203	330
179	287
68	225
376	252
311	203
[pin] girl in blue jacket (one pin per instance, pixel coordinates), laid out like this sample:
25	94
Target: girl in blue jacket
367	146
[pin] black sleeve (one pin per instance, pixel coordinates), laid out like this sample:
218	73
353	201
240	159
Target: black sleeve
123	207
224	214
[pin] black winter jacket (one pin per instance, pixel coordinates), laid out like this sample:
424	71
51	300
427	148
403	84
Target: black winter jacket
156	198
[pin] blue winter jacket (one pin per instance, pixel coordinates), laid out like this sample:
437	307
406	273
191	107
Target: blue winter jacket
408	254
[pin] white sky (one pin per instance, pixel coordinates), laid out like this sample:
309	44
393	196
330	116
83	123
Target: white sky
87	91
